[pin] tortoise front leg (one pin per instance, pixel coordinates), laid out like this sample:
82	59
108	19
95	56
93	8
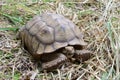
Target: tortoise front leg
82	55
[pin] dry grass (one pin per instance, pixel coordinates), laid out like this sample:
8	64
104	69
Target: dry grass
99	20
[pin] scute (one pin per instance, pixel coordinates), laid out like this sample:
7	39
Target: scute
40	49
35	44
58	45
33	21
60	33
50	19
49	48
35	29
69	33
27	43
46	35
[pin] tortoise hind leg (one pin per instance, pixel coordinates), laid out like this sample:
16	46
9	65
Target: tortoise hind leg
52	61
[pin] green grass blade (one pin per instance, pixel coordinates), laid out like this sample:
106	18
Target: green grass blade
9	29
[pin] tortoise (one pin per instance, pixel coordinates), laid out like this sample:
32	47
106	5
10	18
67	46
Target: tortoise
52	39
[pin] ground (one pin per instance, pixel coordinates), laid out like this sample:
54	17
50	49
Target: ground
99	21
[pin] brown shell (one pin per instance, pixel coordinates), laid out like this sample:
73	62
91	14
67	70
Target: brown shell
48	32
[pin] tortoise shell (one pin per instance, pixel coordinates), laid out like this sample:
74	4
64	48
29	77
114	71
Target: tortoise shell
49	32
